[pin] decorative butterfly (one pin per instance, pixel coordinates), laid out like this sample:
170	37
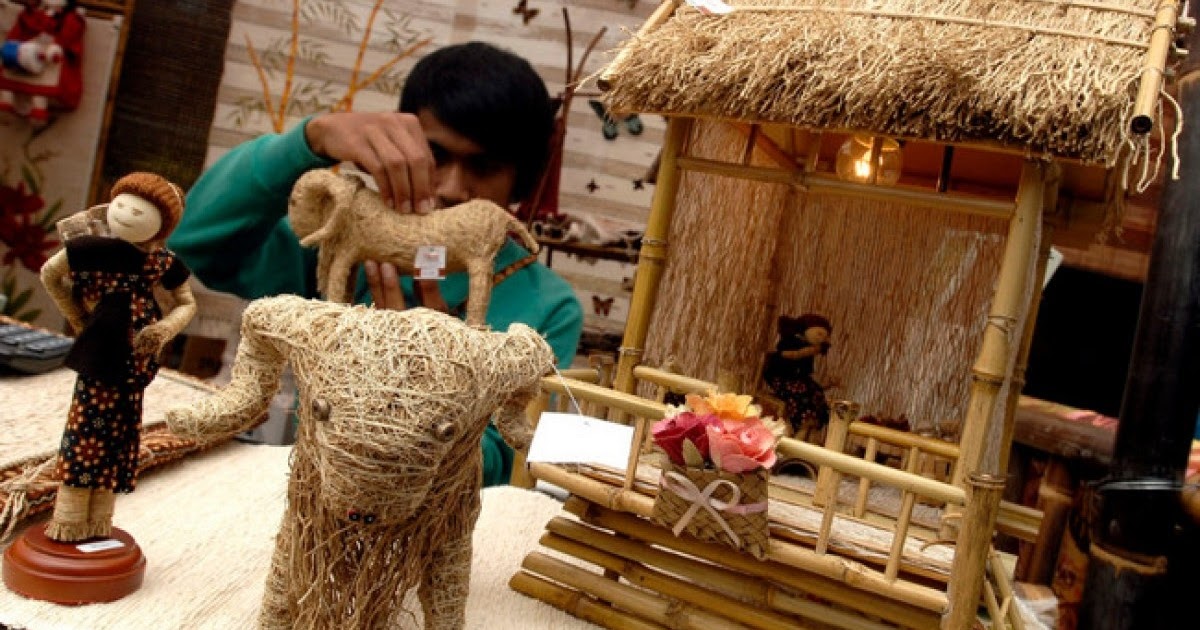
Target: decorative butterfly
522	9
602	306
609	128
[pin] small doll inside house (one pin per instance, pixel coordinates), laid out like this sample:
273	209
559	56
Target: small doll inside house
788	372
104	287
42	57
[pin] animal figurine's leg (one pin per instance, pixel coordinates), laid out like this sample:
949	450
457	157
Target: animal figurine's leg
278	608
324	262
339	287
480	293
243	403
443	590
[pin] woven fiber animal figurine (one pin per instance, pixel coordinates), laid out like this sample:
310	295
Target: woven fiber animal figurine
350	223
104	287
384	487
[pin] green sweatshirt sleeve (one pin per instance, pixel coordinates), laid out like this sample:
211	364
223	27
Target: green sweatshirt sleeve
234	233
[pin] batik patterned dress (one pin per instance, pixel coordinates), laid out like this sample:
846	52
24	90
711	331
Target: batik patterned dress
793	383
115	281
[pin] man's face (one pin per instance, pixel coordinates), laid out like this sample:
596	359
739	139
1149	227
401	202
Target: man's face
464	171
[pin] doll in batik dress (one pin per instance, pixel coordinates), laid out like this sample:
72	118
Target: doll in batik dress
104	286
789	372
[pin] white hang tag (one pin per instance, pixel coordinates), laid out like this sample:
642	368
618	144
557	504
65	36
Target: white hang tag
711	7
430	262
574	438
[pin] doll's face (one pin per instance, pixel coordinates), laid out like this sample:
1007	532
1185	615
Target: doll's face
132	218
53	6
816	335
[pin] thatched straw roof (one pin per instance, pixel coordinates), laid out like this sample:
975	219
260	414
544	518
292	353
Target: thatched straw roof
1045	76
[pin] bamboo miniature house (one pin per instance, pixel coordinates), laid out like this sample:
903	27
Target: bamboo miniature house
1011	118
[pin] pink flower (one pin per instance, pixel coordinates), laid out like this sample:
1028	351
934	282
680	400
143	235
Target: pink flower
670	433
739	447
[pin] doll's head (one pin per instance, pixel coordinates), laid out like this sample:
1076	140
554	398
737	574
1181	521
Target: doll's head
144	207
809	329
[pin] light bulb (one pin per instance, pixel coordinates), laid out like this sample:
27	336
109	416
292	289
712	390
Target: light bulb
857	160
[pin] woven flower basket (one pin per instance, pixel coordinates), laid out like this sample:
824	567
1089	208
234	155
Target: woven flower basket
715	506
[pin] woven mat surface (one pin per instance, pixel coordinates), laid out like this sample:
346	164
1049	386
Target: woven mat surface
207	525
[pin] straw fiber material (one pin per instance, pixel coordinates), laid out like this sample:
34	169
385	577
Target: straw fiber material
351	224
392	407
1040	75
750	529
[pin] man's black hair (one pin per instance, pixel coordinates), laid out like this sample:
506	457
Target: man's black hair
492	97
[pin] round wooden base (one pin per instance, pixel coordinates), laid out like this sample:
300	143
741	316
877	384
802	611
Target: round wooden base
83	572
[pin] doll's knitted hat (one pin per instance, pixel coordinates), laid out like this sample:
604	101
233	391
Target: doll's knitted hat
165	196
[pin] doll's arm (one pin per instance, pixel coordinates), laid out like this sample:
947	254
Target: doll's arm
152	338
810	351
58	285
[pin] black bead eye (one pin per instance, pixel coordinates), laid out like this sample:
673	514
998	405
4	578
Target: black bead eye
353	515
369	518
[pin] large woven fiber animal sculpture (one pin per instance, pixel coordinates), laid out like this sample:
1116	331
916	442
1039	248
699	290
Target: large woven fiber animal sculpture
350	223
384	487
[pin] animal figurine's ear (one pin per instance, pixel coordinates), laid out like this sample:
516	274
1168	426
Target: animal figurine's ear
316	198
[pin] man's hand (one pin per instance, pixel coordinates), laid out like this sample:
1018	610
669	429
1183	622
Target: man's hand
384	283
391	146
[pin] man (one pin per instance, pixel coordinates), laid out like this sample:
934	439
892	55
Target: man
474	122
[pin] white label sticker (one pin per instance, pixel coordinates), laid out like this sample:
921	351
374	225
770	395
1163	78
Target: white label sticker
572	438
100	545
711	7
431	260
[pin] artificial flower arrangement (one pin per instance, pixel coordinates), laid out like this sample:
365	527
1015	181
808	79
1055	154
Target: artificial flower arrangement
719	449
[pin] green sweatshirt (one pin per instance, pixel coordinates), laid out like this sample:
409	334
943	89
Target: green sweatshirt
235	237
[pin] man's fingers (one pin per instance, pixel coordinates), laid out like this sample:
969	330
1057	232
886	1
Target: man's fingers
374	285
390	170
390	279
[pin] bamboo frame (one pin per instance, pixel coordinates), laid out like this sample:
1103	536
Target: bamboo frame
841	414
900	535
909	605
971	551
1150	84
576	603
877	473
989	371
672	381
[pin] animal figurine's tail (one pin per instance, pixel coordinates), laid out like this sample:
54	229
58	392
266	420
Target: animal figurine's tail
515	226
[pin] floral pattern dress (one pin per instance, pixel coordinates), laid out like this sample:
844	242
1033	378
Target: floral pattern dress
792	381
115	281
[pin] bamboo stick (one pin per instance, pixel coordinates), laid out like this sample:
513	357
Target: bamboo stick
990	368
1054	499
666	612
675	382
823	183
993	606
1161	41
905	439
877	473
864	484
612	398
598	492
656	19
652	255
575	603
768	146
673	588
900	533
972	547
1004	587
904	603
841	414
755	590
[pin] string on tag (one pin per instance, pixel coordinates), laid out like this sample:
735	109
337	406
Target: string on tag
563	380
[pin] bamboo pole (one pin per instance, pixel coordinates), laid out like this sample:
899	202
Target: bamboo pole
652	256
1161	41
900	533
588	392
674	382
824	183
1054	499
575	603
755	590
992	605
972	547
1022	363
656	19
904	603
841	414
877	473
666	612
989	371
905	439
1004	588
603	494
864	484
673	588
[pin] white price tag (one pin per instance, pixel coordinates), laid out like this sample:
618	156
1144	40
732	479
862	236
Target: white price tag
430	262
711	7
572	438
100	545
